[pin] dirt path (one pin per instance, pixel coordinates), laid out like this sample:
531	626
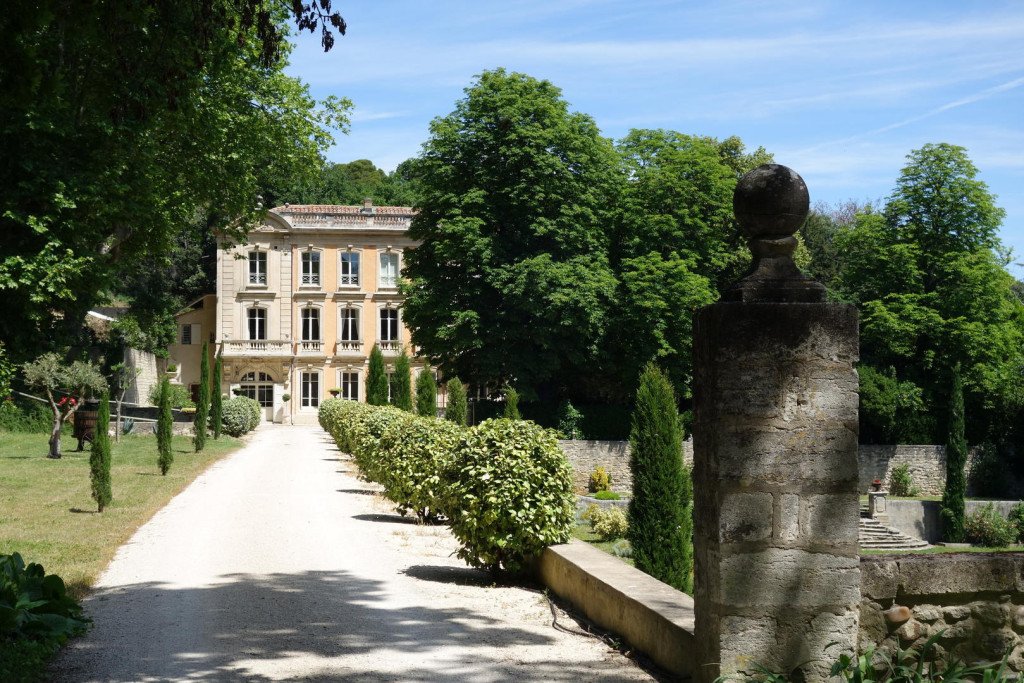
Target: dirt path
278	564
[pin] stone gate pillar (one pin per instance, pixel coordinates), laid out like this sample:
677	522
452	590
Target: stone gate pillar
775	455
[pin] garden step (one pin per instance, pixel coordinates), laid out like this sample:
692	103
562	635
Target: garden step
874	534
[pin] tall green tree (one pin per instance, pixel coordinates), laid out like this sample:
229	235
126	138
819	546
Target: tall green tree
94	139
376	379
401	394
456	409
164	428
928	275
426	394
953	506
216	398
99	456
350	183
200	422
512	281
660	511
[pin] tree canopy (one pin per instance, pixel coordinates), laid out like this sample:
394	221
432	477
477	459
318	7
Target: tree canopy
512	281
122	122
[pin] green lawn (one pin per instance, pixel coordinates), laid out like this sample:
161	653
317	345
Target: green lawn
942	549
583	532
47	513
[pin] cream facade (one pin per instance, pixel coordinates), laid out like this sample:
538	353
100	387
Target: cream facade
301	305
196	324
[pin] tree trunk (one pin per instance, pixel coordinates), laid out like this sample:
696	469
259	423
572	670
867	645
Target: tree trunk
117	427
55	438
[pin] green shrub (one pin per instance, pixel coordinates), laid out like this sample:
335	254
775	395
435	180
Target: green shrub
953	508
660	517
25	415
608	523
456	408
622	548
99	456
35	605
569	421
1016	517
510	493
217	399
401	395
416	452
986	527
200	424
240	415
600	480
376	379
607	495
426	394
180	396
900	481
511	405
164	428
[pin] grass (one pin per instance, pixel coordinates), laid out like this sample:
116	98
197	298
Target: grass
583	532
936	550
46	508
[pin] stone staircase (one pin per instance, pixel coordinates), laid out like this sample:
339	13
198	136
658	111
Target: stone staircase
877	536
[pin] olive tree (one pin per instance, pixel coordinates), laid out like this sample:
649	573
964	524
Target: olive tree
66	386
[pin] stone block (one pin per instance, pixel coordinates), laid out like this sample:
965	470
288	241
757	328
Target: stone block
993	645
746	642
911	632
991	614
834	517
789	518
897	614
873	627
879	578
927	613
956	612
1018	618
745	517
778	578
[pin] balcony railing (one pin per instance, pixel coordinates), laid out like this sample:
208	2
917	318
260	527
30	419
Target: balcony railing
257	278
348	280
390	345
349	346
388	282
257	347
308	347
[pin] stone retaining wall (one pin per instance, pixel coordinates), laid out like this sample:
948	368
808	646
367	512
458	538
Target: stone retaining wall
920	518
927	464
975	599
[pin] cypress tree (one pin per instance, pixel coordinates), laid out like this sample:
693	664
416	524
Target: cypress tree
99	457
426	394
203	404
456	409
164	428
402	393
216	400
376	379
660	515
956	458
511	405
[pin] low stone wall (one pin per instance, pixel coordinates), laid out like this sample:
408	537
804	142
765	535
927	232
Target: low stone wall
920	518
650	616
927	464
975	599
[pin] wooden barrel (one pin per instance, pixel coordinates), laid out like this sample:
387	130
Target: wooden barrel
85	422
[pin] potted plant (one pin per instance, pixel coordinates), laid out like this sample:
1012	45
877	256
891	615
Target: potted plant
334	392
172	369
286	397
876	485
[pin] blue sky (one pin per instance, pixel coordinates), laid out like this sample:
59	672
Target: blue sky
840	91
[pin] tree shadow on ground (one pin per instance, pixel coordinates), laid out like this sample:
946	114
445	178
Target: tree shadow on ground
362	492
459	576
386	518
315	625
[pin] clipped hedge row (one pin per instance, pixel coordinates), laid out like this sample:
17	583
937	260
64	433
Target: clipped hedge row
504	487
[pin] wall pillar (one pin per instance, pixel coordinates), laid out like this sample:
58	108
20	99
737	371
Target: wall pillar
775	456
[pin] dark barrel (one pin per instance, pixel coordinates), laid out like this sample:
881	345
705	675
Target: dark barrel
85	422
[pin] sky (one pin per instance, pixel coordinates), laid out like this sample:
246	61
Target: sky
839	91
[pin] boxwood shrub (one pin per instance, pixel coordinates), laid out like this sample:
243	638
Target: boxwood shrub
504	487
240	415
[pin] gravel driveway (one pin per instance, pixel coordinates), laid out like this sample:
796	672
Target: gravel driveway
279	564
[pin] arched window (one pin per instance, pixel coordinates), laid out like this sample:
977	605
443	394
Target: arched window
258	386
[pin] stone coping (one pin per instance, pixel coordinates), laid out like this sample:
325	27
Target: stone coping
651	616
916	577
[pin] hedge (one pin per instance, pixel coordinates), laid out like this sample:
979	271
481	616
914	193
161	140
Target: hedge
504	487
240	415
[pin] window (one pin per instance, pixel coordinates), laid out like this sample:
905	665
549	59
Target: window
259	387
257	267
310	269
391	387
310	389
388	269
389	325
350	386
186	335
349	275
310	324
349	330
257	323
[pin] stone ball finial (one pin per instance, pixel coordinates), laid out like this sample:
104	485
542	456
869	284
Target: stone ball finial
771	201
